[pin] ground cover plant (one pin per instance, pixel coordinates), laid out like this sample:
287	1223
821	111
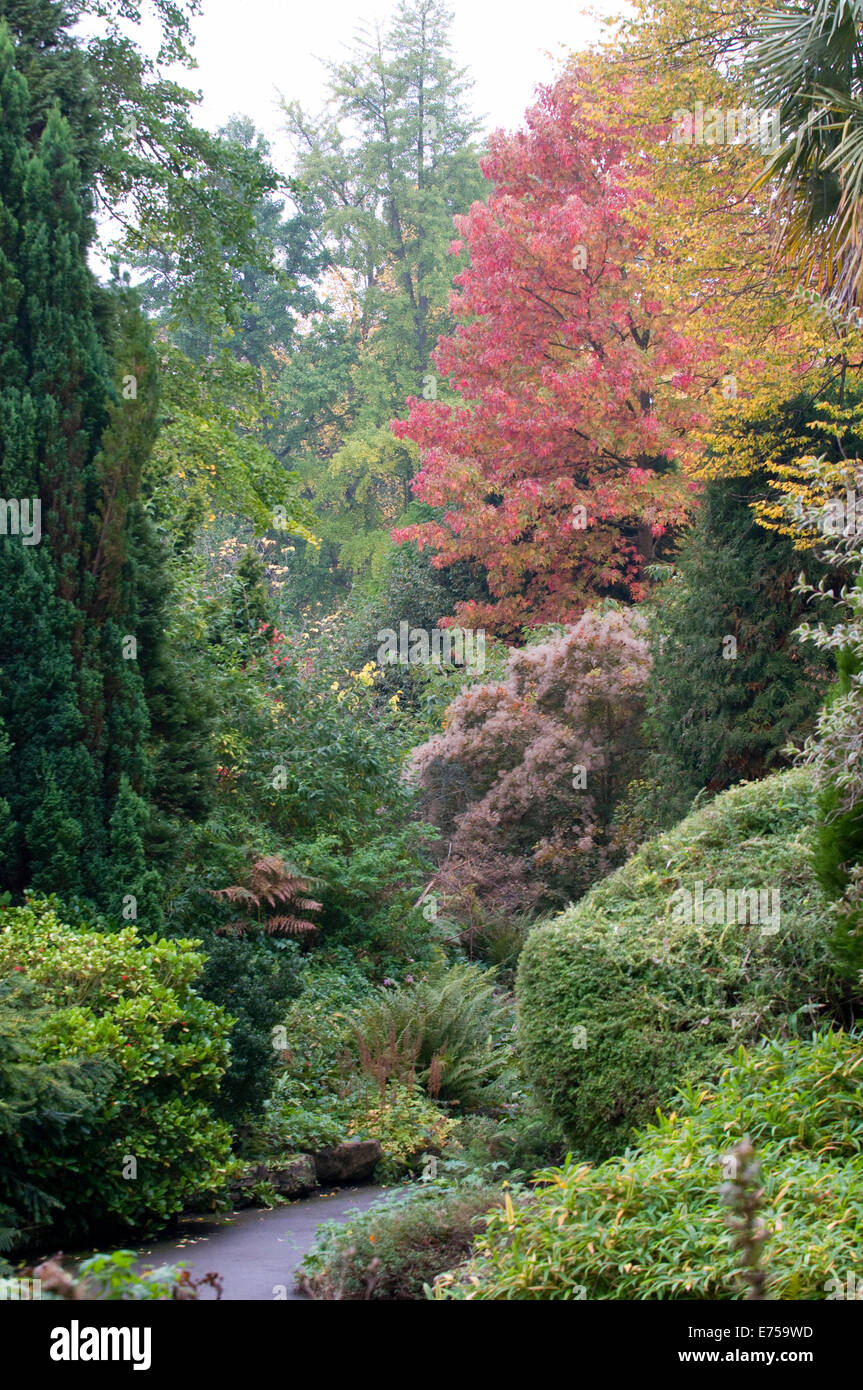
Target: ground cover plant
651	1224
397	1248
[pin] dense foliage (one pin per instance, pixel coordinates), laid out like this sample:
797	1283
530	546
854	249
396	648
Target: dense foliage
288	858
45	1106
554	471
619	1231
322	1095
82	589
730	683
398	1247
148	1141
622	999
387	164
451	1032
524	780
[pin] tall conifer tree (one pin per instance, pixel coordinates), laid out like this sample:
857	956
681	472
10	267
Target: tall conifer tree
81	646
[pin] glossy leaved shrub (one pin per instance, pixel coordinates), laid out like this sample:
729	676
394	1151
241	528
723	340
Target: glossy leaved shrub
152	1141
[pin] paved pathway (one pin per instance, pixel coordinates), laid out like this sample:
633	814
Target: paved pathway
256	1252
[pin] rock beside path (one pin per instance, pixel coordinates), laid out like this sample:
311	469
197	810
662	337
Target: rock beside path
348	1162
294	1177
297	1175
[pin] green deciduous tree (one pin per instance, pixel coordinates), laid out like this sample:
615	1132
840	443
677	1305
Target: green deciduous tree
388	165
168	187
388	195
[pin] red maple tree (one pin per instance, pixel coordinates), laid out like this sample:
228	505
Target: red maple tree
555	475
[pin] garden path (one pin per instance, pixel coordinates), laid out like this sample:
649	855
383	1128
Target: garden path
256	1252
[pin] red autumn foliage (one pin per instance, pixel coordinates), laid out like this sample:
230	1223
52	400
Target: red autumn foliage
573	379
526	776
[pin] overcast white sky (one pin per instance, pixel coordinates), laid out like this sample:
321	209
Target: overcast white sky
249	50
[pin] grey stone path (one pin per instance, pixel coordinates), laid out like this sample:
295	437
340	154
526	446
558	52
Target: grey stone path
256	1252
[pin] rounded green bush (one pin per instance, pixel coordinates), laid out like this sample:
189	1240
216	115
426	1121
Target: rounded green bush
621	1000
653	1224
129	1005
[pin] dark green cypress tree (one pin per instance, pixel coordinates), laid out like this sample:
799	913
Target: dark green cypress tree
55	68
52	394
44	1106
81	640
137	895
730	684
180	771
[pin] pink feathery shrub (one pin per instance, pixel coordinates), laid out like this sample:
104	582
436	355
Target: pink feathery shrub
524	779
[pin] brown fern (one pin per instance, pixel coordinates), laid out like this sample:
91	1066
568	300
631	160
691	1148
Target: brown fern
272	883
394	1059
